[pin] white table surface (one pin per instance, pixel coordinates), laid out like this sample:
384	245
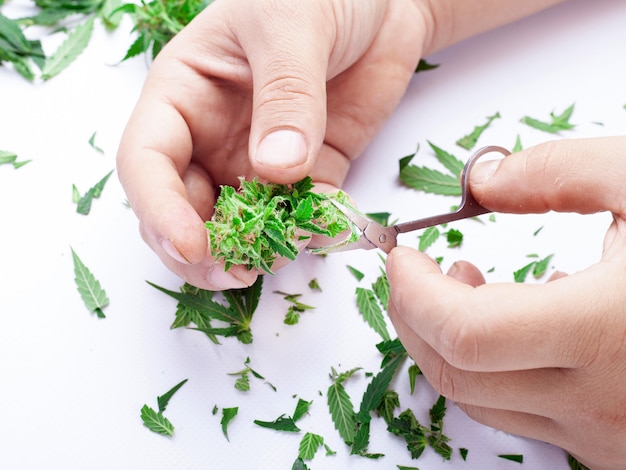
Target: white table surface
72	385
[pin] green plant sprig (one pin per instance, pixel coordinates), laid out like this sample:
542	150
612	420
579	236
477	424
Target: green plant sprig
260	222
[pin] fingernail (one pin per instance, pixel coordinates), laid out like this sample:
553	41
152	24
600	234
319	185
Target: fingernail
282	149
171	250
483	171
222	280
454	269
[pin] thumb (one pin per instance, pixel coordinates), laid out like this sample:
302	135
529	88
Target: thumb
571	175
288	57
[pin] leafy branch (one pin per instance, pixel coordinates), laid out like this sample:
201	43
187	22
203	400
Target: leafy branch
196	306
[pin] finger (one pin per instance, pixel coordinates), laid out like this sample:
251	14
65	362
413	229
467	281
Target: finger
466	273
502	327
151	178
289	59
574	175
536	391
521	424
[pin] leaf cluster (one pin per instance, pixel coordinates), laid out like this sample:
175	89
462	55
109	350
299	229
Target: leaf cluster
353	426
417	436
197	306
260	222
158	21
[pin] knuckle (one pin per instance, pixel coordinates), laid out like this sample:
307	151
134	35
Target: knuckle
460	344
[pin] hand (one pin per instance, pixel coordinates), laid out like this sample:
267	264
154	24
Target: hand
543	361
278	89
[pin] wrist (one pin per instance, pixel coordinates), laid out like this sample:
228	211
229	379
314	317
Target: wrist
450	21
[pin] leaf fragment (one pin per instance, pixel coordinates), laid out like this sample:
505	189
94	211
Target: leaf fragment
83	205
469	141
228	414
69	50
156	422
558	122
163	400
89	288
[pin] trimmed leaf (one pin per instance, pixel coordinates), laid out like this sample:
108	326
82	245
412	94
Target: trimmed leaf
449	161
469	141
156	422
371	311
228	414
430	181
282	423
69	50
83	206
341	411
302	408
89	288
428	237
309	445
558	122
358	275
164	399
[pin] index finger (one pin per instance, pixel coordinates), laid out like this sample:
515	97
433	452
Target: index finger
499	327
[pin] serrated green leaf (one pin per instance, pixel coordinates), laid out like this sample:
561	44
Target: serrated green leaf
341	412
449	161
370	309
558	122
376	389
163	400
93	295
430	181
156	422
413	371
299	465
309	445
428	238
469	141
83	206
302	408
228	414
382	290
387	406
69	50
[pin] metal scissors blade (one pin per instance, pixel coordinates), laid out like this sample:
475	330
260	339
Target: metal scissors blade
374	235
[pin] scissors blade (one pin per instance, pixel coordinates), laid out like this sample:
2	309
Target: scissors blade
373	235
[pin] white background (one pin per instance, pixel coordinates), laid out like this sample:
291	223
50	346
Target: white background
72	385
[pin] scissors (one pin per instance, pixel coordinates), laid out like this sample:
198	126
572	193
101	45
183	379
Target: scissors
374	235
